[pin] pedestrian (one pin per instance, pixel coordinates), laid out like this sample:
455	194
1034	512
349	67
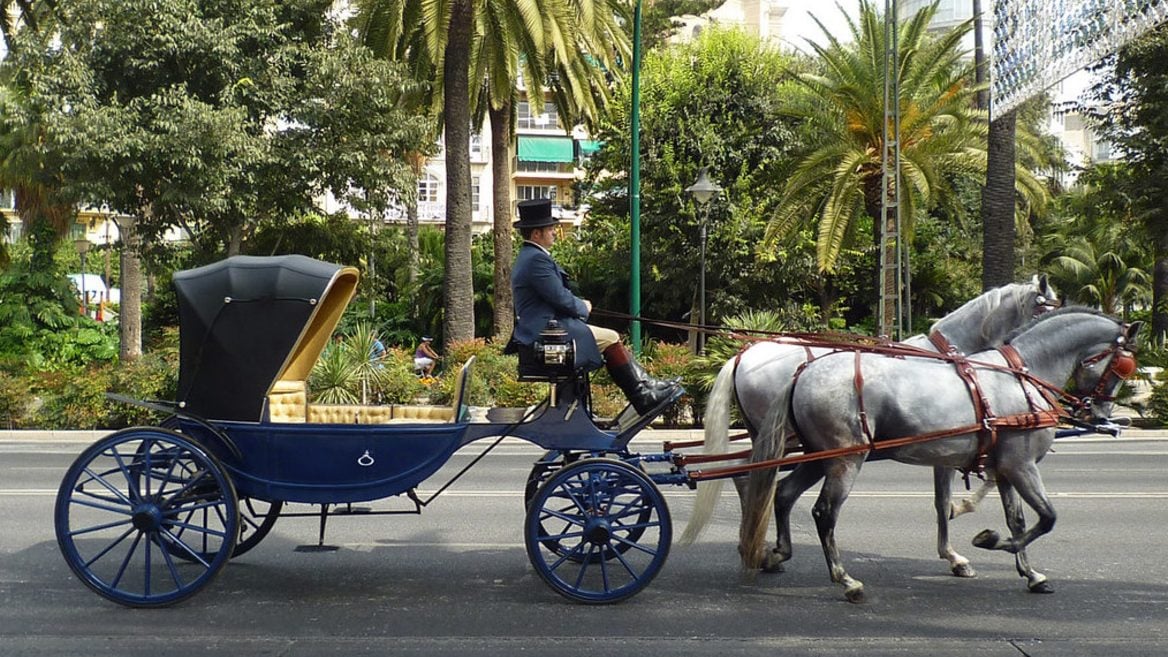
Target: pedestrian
425	358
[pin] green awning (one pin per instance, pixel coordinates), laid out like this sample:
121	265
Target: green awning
545	149
589	146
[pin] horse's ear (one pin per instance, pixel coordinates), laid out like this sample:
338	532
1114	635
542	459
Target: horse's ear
1133	330
1043	283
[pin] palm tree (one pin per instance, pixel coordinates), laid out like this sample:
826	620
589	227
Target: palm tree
569	43
46	215
941	134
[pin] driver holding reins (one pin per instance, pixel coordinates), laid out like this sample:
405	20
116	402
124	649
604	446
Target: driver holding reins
541	293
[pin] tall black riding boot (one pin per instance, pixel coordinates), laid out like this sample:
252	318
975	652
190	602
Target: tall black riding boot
643	391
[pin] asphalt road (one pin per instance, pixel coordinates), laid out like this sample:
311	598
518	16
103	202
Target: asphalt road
456	581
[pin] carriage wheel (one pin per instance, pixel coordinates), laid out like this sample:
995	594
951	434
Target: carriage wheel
255	521
544	469
256	517
134	500
598	531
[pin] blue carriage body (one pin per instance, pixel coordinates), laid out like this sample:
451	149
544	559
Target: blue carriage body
329	463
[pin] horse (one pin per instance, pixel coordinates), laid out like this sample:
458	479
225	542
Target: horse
765	367
853	401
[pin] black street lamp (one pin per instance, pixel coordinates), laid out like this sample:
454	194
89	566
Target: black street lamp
703	190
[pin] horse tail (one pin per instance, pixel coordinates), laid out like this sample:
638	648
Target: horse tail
717	421
758	501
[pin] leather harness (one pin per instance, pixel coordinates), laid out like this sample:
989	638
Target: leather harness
987	425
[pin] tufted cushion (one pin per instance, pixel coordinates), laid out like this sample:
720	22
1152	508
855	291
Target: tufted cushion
413	413
287	402
348	414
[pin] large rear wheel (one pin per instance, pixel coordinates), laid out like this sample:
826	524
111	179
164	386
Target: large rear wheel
133	501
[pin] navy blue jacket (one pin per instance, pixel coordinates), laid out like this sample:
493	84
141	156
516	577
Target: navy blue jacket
540	290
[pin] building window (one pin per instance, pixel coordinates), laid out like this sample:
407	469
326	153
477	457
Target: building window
474	191
7	199
476	145
529	192
427	189
538	167
549	120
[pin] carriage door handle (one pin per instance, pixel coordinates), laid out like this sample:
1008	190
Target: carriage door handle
365	460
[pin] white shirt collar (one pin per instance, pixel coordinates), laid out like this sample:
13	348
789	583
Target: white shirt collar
538	246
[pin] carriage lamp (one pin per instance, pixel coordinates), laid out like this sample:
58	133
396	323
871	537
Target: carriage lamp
555	346
703	190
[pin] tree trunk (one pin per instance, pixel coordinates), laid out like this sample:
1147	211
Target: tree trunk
412	239
504	312
130	312
1160	291
234	241
458	294
997	205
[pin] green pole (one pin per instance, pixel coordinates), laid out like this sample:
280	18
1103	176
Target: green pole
635	189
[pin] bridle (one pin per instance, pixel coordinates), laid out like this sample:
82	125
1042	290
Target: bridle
1120	366
1043	305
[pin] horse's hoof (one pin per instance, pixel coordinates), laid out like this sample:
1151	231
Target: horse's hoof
1041	587
855	593
772	562
964	570
986	539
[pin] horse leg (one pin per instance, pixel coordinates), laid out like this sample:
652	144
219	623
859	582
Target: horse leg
969	504
841	474
942	501
790	488
1032	491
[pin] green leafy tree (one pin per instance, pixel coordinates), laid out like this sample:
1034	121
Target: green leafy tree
567	44
713	102
1090	254
838	183
1130	105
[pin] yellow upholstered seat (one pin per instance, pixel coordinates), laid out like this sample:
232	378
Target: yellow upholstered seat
349	414
418	413
288	402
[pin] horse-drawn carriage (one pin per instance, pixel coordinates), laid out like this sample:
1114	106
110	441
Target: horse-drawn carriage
148	516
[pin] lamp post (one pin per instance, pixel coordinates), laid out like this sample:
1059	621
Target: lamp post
703	190
82	245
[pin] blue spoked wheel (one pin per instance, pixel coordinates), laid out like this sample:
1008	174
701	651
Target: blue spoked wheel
146	517
598	531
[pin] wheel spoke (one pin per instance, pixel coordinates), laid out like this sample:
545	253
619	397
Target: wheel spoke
126	561
182	545
130	483
108	486
109	547
97	528
170	566
102	507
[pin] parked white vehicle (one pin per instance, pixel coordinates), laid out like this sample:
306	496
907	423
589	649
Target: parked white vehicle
95	289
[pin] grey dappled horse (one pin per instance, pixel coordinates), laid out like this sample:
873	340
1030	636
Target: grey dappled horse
767	367
913	396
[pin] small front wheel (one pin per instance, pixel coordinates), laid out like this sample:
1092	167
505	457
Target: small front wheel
598	531
136	501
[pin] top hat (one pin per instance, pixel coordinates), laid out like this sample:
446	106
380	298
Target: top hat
535	213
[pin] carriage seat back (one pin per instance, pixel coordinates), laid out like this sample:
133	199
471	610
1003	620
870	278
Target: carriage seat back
288	402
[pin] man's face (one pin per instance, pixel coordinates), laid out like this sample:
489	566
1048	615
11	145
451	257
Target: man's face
545	236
